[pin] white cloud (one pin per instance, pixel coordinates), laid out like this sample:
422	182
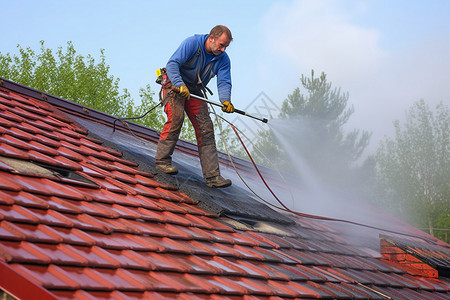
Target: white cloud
317	35
322	35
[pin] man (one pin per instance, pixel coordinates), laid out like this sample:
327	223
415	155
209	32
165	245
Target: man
198	59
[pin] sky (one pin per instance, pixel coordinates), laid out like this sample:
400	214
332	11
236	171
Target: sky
385	54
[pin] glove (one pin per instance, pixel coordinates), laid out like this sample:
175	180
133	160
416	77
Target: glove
227	107
184	91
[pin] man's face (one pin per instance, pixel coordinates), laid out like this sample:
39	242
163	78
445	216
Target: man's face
218	46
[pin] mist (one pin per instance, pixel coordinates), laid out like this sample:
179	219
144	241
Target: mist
312	184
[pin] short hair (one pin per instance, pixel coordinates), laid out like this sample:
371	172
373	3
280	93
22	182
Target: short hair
218	30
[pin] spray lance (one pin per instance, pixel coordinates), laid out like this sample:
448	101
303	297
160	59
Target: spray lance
162	78
264	120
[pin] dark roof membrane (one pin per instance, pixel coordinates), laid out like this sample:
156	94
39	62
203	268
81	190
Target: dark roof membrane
231	201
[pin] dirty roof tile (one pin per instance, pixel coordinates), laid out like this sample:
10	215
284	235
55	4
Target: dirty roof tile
43	140
5	121
43	186
15	213
7	168
151	215
88	223
9	232
328	290
433	284
121	225
177	231
274	255
244	268
227	286
23	252
63	205
51	217
9	116
434	296
109	185
33	233
198	234
74	236
199	222
161	230
14	152
362	292
265	269
7	197
51	277
288	290
17	143
220	249
24	199
9	184
116	241
255	286
242	238
193	210
219	265
175	208
44	128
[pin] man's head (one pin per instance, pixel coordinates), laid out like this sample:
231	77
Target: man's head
219	39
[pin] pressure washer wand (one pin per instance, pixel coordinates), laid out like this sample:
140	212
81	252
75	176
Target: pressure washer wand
264	120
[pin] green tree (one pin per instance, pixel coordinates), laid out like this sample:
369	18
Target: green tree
67	75
313	125
81	79
414	168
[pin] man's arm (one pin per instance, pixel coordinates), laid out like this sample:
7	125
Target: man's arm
224	80
183	53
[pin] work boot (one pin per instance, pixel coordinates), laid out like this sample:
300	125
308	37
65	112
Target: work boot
168	169
218	182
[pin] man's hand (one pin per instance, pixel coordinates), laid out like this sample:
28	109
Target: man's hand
227	107
184	91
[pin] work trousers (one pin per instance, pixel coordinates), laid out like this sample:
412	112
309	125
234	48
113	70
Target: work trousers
198	114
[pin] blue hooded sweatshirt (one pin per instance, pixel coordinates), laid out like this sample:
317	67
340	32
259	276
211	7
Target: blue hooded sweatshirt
191	62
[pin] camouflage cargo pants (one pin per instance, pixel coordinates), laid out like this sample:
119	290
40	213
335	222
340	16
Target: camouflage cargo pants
198	114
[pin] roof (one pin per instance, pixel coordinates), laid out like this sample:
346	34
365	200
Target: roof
84	215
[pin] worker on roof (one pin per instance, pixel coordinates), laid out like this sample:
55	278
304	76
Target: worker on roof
198	59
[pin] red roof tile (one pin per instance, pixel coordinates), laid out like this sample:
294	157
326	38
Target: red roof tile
125	234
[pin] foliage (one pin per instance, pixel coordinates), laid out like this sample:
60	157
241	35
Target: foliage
314	123
67	75
414	167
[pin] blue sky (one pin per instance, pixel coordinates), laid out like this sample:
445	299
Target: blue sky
386	54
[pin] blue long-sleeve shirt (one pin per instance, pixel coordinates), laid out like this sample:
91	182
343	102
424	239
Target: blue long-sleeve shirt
191	59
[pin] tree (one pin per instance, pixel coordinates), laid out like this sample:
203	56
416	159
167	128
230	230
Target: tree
81	79
67	75
312	125
414	168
